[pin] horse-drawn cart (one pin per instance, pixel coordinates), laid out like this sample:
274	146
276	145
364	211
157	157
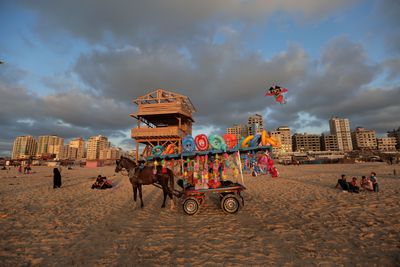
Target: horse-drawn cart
230	197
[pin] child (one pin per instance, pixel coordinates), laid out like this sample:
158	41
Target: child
366	184
353	186
374	182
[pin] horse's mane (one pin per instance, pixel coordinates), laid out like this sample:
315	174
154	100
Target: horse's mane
127	158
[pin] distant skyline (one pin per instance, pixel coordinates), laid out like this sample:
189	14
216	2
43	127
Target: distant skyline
72	68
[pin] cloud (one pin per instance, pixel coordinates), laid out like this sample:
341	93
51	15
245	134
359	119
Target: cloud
163	21
68	114
227	83
338	84
220	79
386	21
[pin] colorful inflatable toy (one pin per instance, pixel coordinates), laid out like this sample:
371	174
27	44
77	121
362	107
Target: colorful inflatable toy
256	140
188	143
170	149
230	140
217	142
157	150
201	142
245	142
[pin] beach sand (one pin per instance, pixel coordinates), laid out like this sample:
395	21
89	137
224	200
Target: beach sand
298	219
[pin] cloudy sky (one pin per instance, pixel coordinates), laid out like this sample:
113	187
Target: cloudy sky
72	68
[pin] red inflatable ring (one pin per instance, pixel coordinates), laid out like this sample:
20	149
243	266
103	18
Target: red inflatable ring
201	142
230	140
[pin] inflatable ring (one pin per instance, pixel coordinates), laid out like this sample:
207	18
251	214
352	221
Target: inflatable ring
273	141
264	137
169	149
217	142
255	141
188	143
157	150
201	142
245	142
230	140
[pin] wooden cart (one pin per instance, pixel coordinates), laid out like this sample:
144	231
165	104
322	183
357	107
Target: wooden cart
231	198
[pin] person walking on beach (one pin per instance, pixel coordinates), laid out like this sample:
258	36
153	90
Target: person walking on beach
56	178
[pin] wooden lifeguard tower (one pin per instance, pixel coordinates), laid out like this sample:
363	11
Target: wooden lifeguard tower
163	118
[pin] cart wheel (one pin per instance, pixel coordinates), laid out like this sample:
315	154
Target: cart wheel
191	206
230	204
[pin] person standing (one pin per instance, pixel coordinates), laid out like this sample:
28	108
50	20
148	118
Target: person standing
374	182
56	178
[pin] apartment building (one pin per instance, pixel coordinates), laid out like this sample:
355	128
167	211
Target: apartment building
363	139
79	144
306	142
24	147
341	128
395	134
285	138
95	145
49	144
329	142
239	130
386	143
255	124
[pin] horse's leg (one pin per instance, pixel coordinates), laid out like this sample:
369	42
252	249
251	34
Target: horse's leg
140	195
134	188
171	182
164	189
165	198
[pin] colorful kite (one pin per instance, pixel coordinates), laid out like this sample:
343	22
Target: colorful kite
278	93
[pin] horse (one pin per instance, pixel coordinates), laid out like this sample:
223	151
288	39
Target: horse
139	176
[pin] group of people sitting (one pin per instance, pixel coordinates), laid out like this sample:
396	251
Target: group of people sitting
366	184
102	183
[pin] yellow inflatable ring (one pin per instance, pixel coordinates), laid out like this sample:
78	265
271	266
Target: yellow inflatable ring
264	137
246	141
273	141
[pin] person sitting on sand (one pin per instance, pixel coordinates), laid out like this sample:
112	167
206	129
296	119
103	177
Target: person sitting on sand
342	183
101	182
366	184
353	187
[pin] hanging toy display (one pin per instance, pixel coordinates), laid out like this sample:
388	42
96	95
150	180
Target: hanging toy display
196	170
164	167
155	167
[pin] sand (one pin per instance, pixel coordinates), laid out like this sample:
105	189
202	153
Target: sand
298	219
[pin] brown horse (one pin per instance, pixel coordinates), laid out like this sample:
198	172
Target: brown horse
139	176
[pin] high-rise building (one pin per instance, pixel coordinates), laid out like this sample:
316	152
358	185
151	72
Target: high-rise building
237	129
79	144
95	145
286	138
24	147
395	134
329	142
363	139
306	142
341	128
277	136
68	152
110	153
386	143
49	144
255	124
